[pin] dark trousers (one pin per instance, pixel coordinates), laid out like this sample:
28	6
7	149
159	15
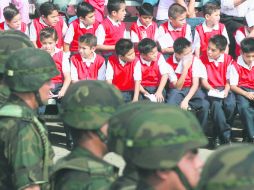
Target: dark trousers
127	96
150	90
197	103
246	110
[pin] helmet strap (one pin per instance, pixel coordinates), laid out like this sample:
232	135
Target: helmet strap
38	98
101	135
183	178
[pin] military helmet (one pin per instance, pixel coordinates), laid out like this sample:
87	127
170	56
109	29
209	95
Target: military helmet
162	135
229	168
88	105
27	69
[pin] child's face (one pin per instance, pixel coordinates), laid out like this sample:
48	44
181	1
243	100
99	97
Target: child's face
151	56
85	50
179	22
15	23
250	29
52	19
248	58
120	14
128	57
213	52
214	18
186	52
89	19
49	45
145	20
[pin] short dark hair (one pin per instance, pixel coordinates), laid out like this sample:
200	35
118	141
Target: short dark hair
175	10
114	5
88	39
219	41
10	12
84	8
48	32
180	44
247	45
145	9
146	45
210	7
123	46
47	8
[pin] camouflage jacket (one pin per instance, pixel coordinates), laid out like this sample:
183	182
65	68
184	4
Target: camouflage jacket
4	94
80	170
25	152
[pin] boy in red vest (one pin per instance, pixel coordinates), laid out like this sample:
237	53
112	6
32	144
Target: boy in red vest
87	65
49	18
85	23
112	28
13	20
209	28
188	69
155	70
175	27
241	82
124	70
215	79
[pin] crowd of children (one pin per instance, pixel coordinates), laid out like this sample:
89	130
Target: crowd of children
163	63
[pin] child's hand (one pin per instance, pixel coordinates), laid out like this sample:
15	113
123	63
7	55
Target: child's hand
61	93
249	95
187	61
159	97
184	104
226	93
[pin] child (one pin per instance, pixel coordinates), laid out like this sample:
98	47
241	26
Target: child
244	31
112	28
155	70
13	20
241	82
144	27
186	93
124	70
85	23
215	78
87	65
209	28
49	18
175	27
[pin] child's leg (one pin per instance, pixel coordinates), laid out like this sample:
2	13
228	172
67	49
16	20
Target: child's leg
175	96
127	96
229	106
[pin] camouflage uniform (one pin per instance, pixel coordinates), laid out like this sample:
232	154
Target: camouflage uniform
87	105
229	168
26	154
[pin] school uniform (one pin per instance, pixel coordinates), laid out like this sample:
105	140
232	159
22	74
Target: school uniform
175	96
77	29
222	110
242	75
239	35
123	75
23	28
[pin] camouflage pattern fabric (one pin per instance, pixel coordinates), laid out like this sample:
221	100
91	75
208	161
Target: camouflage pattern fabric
4	93
22	160
229	168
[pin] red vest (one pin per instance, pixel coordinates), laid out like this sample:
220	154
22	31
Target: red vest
151	75
85	72
217	75
80	31
246	77
123	75
149	32
237	47
205	36
59	26
23	26
58	59
175	33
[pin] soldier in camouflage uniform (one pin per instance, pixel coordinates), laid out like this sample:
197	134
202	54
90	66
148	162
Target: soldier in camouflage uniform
229	168
86	107
25	153
161	142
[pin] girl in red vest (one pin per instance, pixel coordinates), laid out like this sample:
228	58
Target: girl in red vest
13	20
49	18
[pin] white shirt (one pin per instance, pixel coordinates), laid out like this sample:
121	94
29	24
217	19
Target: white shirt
100	32
136	73
239	36
6	27
88	62
228	8
65	62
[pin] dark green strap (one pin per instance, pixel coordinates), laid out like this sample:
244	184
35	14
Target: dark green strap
183	178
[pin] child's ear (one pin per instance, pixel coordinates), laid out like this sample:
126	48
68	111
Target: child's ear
207	16
93	48
113	13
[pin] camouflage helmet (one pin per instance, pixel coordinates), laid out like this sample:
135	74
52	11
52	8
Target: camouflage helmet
89	104
27	69
229	168
165	131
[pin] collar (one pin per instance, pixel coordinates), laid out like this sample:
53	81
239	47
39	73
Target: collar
114	22
241	62
217	61
42	22
140	24
174	59
122	62
171	28
56	50
6	27
208	29
81	24
148	63
89	60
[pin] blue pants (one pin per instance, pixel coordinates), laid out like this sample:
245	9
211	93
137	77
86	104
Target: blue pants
246	110
197	102
150	90
127	96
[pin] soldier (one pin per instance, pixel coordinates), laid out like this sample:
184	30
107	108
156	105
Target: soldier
229	168
86	107
26	154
